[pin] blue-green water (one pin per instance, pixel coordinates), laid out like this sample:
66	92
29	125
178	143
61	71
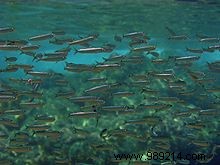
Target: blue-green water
108	18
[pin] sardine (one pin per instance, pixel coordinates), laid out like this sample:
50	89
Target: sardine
83	40
90	50
97	79
10	59
14	112
48	133
19	149
209	40
52	58
84	114
123	94
84	99
18	142
187	58
41	37
137	42
44	118
40	74
144	49
107	66
4	30
65	94
7	98
38	127
201	143
100	88
9	47
193	50
134	34
115	58
29	48
146	120
9	122
31	104
21	135
114	108
178	37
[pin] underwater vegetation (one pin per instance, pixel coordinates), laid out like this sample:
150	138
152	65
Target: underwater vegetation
124	97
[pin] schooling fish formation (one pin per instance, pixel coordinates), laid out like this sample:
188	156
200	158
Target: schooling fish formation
138	102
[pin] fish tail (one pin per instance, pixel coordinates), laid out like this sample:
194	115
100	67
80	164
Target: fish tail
35	58
153	132
97	62
75	130
34	133
105	59
76	51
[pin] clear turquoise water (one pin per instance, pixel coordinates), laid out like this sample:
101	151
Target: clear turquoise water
107	18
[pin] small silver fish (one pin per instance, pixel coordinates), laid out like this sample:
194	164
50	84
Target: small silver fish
9	47
178	37
133	34
84	114
10	59
29	48
6	30
144	49
41	37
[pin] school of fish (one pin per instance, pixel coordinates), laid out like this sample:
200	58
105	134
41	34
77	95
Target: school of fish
139	99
